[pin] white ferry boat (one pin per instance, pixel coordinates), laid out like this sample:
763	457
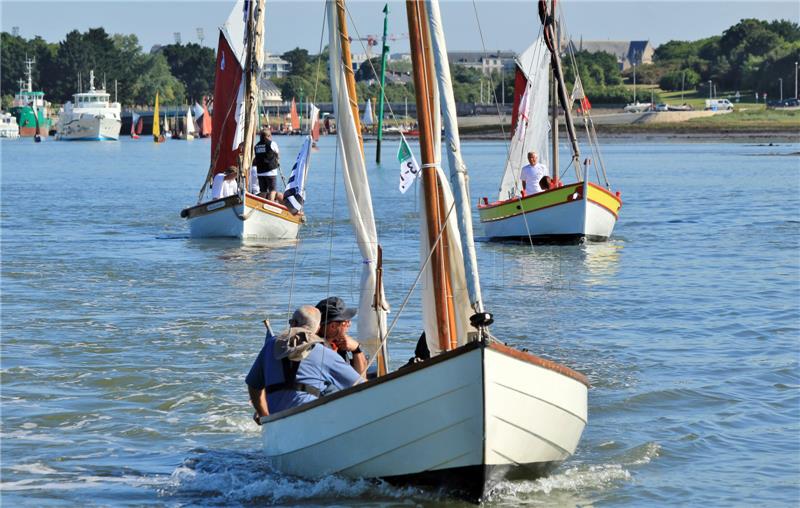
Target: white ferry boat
90	117
8	126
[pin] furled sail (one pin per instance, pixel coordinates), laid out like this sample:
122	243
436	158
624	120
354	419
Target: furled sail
231	53
530	115
459	178
455	264
371	318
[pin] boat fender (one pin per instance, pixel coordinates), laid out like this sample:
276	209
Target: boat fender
184	213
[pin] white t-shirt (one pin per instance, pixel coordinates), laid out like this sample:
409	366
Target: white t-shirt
254	187
221	188
531	175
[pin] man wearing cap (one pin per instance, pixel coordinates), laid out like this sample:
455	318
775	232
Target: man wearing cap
335	323
296	367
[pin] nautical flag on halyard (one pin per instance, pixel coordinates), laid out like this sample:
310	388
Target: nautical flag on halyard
409	169
295	192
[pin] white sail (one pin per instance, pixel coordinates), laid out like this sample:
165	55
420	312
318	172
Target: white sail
235	30
371	322
367	118
458	170
534	63
189	122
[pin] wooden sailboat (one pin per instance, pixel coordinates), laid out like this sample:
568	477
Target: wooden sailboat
478	411
158	137
294	118
244	214
136	125
567	212
188	132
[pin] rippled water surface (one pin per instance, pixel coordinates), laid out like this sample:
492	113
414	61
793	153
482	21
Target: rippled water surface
125	344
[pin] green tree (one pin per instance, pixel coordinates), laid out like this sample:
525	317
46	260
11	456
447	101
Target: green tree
685	79
298	58
194	66
156	76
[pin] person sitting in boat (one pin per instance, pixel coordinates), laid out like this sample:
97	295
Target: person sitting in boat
532	174
335	323
296	367
546	183
267	160
224	184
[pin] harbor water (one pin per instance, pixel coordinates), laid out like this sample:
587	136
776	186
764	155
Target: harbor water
125	343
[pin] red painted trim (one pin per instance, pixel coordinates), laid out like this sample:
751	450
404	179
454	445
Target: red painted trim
500	203
520	212
265	200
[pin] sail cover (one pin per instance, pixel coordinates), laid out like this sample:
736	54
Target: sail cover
371	321
228	81
530	118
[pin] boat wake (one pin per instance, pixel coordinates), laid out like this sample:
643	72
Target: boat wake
579	485
214	477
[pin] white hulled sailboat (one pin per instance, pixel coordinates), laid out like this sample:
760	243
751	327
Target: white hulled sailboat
567	212
243	214
478	411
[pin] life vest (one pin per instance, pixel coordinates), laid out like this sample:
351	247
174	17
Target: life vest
266	158
290	380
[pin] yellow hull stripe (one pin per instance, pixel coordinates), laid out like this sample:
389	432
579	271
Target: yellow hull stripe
529	203
604	199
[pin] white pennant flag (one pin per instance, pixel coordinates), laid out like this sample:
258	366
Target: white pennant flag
409	169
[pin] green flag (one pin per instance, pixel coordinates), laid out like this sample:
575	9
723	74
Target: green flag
409	169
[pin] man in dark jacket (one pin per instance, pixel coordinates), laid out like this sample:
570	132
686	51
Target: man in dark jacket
267	161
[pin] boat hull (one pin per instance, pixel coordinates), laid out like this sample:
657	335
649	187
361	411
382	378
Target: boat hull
569	214
88	127
464	420
257	218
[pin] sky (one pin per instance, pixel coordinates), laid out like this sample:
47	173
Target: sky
504	25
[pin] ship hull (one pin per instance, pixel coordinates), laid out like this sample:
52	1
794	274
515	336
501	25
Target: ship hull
463	421
568	214
88	127
257	218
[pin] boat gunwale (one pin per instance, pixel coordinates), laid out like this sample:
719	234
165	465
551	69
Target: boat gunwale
466	348
200	209
498	203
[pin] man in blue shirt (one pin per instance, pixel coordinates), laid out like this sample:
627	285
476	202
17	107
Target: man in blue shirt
296	367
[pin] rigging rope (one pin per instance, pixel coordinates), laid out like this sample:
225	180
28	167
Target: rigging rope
413	285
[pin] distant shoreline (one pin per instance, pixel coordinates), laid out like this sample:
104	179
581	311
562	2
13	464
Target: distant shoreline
663	131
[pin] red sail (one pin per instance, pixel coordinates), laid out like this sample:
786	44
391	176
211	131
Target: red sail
315	130
519	90
223	123
205	124
295	119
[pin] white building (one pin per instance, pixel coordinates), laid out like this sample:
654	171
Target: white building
275	67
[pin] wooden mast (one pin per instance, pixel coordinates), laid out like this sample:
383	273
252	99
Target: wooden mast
255	41
434	213
551	39
347	63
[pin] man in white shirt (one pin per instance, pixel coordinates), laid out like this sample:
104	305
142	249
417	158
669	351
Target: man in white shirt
532	174
224	184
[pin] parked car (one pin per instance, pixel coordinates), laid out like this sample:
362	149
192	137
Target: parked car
662	107
719	105
785	103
